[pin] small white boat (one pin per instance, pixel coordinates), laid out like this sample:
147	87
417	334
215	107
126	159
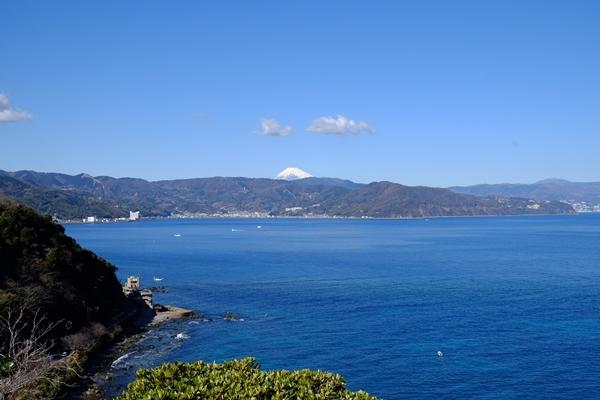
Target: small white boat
177	235
258	226
181	336
440	354
157	279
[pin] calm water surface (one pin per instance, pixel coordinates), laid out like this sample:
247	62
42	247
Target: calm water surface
513	303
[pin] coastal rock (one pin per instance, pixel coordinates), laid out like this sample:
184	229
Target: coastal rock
229	316
169	313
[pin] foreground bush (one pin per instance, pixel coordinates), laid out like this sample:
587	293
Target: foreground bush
235	379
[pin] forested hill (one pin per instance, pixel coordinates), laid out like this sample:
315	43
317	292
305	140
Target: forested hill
76	196
63	203
43	270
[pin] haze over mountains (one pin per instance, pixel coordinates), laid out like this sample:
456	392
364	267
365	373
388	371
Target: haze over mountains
77	196
547	189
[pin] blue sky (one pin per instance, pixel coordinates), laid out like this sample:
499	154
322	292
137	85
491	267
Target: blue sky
418	92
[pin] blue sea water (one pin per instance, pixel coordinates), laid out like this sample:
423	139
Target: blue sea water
512	302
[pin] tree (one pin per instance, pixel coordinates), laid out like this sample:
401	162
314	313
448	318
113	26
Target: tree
25	353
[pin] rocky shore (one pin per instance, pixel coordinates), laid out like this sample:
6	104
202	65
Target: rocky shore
130	334
169	313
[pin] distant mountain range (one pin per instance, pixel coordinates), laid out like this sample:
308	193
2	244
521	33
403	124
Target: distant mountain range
548	189
77	196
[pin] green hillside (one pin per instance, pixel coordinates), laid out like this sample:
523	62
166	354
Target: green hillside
76	196
44	269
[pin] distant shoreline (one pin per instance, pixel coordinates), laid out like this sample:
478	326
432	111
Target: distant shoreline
224	217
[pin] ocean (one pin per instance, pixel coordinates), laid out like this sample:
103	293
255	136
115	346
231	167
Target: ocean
513	303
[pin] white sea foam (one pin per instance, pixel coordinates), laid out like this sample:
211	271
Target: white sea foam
121	359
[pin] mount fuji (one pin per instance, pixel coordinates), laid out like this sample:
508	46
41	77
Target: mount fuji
292	174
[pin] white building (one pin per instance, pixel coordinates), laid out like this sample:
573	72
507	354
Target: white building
90	219
134	215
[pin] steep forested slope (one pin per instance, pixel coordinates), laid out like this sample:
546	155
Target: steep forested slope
42	269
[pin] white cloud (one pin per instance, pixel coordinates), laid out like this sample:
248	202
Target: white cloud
8	113
338	125
270	127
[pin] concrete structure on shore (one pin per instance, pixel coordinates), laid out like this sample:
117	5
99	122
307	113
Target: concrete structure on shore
132	288
132	285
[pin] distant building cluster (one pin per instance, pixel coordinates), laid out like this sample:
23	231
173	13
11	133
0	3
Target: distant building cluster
229	214
133	216
584	207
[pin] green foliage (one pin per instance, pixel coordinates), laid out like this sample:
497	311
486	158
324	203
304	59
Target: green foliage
66	204
6	365
42	269
235	379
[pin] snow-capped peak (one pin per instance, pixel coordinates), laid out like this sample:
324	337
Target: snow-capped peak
292	173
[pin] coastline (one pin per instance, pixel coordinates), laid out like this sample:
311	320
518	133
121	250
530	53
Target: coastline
101	358
323	217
